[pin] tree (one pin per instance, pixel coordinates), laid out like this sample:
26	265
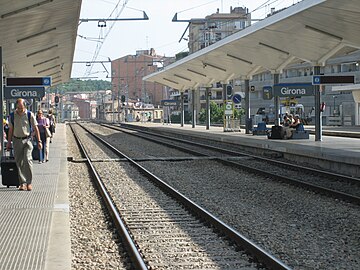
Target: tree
216	113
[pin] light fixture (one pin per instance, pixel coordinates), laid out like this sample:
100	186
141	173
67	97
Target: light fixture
57	72
101	23
36	35
47	69
198	73
273	48
240	59
57	81
43	50
322	32
181	77
213	66
46	61
170	81
15	12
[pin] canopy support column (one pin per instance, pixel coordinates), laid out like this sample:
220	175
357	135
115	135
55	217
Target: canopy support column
276	102
318	112
182	114
247	105
193	98
208	94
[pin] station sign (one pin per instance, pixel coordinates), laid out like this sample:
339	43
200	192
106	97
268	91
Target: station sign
28	81
24	92
229	108
321	79
170	102
293	89
267	92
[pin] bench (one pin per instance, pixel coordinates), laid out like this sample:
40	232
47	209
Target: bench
261	129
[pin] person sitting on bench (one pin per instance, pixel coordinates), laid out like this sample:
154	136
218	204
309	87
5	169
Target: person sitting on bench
293	126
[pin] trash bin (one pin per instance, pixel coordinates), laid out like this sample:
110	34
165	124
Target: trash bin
249	124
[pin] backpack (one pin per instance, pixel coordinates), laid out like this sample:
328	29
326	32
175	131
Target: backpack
52	123
12	116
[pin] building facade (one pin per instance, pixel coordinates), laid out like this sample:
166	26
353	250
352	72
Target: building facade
127	73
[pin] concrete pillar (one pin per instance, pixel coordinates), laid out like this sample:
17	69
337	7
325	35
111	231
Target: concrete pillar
193	108
247	105
276	102
182	114
318	113
208	94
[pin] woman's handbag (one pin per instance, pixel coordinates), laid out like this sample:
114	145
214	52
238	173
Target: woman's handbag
47	132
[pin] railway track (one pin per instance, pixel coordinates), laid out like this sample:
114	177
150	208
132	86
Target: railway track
164	229
340	186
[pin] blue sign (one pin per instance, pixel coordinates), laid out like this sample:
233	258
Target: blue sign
316	80
293	89
25	92
46	81
267	92
236	99
170	102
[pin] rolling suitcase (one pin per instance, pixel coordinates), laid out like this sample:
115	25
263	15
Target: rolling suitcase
277	132
35	152
9	171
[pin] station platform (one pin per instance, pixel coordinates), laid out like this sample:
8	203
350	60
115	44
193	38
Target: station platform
332	148
35	228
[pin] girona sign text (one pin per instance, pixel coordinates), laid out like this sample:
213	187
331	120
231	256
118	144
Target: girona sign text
293	89
11	92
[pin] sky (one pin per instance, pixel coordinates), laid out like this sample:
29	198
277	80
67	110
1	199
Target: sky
125	37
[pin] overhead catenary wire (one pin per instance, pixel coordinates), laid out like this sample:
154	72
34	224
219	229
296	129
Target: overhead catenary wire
103	34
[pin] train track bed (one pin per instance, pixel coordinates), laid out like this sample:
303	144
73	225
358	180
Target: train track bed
348	188
304	229
94	242
167	235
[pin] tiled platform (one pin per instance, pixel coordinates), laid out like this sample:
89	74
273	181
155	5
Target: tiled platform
35	231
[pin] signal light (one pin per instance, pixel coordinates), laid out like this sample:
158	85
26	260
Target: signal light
229	91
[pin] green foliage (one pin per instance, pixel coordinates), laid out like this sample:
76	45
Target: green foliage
81	86
177	118
216	114
181	55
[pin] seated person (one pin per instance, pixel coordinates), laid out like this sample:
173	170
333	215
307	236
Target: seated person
286	121
293	126
296	122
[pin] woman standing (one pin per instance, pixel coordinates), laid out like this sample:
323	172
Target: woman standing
43	124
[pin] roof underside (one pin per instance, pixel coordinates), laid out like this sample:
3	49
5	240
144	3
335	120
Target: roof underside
311	31
38	37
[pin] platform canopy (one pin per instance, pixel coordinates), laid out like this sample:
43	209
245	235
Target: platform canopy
38	37
310	31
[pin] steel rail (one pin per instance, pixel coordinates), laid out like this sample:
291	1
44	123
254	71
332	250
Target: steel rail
257	252
135	255
317	188
232	152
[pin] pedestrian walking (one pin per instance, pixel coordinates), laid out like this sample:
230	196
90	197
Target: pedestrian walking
43	126
21	124
52	122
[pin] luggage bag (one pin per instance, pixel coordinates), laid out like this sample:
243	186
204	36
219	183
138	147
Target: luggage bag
9	172
277	132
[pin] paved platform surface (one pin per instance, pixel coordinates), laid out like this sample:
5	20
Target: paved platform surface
35	230
333	148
